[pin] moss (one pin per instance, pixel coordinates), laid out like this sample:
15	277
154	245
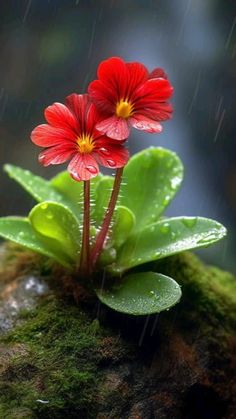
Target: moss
208	292
59	362
56	373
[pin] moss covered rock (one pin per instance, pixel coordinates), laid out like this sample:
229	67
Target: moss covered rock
62	359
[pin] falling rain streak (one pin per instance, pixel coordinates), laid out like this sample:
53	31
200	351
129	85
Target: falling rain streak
228	40
219	108
219	126
143	331
187	10
102	287
27	9
195	92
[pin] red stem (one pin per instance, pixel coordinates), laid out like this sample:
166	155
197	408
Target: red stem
102	235
85	251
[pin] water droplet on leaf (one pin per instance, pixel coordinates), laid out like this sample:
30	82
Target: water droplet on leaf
189	222
49	215
165	228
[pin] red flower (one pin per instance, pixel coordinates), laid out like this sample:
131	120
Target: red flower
71	134
128	94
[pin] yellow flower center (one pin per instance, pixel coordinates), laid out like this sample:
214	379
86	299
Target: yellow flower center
124	109
85	144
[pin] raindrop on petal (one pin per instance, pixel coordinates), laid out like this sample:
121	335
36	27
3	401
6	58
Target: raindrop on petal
91	169
104	151
111	163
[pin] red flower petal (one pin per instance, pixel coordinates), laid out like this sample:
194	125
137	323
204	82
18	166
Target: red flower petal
157	73
114	127
138	74
92	118
56	155
104	97
110	154
153	90
143	123
59	116
158	111
83	167
113	72
46	136
78	106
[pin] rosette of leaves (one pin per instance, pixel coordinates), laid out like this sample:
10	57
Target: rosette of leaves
139	233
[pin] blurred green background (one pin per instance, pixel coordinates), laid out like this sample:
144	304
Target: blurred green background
50	48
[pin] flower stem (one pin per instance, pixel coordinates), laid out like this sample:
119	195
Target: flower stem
102	235
85	251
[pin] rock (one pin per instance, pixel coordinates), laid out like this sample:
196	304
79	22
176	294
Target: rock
61	359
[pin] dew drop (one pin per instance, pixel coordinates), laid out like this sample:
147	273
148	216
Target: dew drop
44	206
189	222
49	215
104	151
111	163
174	182
91	169
166	200
165	228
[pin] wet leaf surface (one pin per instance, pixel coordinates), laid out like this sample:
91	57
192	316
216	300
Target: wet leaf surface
54	221
151	180
167	237
141	294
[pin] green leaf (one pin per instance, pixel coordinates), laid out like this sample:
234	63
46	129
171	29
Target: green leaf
72	191
151	180
102	196
39	188
124	223
166	238
51	220
141	294
20	231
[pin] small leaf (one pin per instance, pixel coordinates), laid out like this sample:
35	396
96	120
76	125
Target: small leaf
20	231
72	191
51	220
39	188
166	238
102	196
124	223
141	294
151	180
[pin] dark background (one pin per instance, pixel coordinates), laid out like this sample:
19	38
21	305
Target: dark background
51	48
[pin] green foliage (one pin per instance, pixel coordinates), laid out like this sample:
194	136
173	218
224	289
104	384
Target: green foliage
167	237
151	179
39	188
141	293
20	231
56	222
